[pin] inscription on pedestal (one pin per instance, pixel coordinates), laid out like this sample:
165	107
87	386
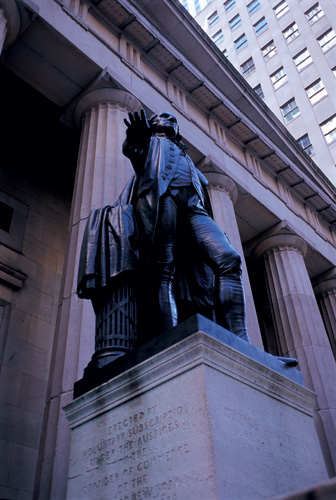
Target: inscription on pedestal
134	455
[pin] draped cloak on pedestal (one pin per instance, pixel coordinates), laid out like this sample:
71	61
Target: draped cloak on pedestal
118	238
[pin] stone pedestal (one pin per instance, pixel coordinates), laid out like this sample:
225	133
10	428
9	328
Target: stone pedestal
196	414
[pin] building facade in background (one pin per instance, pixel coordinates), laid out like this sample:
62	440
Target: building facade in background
71	71
286	50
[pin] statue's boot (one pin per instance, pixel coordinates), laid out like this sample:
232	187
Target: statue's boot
230	304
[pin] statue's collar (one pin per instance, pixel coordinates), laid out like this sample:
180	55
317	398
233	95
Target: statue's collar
164	136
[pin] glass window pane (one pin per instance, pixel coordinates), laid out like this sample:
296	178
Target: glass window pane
290	110
291	32
281	9
218	37
302	59
314	14
253	7
269	50
241	43
229	5
278	78
248	67
259	91
235	22
327	40
213	19
260	26
316	91
306	144
329	129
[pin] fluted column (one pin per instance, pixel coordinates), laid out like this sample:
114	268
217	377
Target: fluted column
300	330
325	290
102	173
223	195
9	23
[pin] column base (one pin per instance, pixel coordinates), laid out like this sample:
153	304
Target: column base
196	413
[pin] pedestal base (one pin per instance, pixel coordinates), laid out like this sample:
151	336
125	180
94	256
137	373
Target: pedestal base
197	420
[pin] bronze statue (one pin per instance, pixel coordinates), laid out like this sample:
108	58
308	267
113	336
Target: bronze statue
156	257
188	257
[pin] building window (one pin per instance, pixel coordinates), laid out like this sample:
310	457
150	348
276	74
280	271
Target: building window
197	6
334	71
302	59
306	144
253	7
290	110
316	91
278	78
260	26
281	9
225	53
329	129
291	32
259	91
314	14
269	50
235	22
218	37
327	40
241	43
185	4
229	4
247	67
213	19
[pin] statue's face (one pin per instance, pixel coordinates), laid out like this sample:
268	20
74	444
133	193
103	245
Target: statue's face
164	123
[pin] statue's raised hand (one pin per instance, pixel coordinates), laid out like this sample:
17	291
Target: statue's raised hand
138	128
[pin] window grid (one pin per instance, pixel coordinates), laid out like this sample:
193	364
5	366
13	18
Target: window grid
290	110
291	32
213	19
302	59
260	26
281	9
327	40
218	37
316	91
314	14
269	50
278	78
329	129
241	43
229	4
197	6
247	67
253	7
235	22
306	144
259	91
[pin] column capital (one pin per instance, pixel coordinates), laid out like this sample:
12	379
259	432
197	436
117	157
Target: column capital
13	20
281	241
217	179
222	182
110	95
325	282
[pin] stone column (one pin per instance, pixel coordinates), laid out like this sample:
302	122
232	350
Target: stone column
102	173
223	195
325	290
300	329
9	23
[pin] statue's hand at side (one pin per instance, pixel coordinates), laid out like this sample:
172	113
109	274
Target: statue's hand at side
138	129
